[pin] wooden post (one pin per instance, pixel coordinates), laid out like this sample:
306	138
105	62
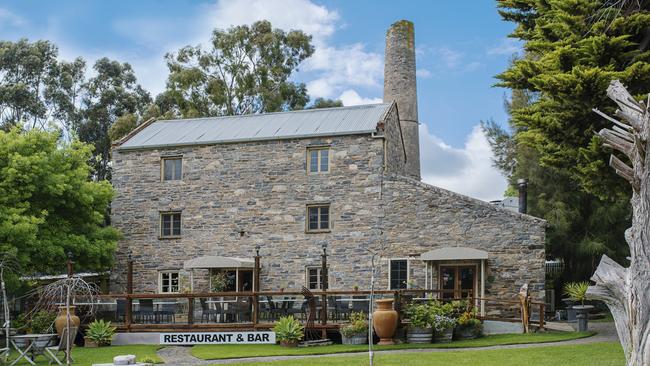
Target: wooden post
256	307
190	310
128	313
323	272
542	310
256	286
70	264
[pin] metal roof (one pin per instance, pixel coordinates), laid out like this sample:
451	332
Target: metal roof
453	253
255	127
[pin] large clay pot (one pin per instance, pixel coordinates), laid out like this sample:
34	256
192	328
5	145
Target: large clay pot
384	321
62	319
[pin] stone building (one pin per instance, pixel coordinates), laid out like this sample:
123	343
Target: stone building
195	197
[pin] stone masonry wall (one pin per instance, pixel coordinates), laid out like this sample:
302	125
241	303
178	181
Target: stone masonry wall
420	217
260	188
395	152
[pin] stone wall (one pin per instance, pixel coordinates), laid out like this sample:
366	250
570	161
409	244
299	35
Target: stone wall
395	151
235	196
420	217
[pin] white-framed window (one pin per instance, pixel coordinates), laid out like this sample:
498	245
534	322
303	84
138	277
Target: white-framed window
318	160
170	224
171	168
398	273
318	218
168	282
313	277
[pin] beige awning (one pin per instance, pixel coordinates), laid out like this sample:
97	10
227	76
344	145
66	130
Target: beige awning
213	261
454	253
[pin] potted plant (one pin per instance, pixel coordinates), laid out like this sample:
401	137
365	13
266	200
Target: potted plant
41	323
442	321
356	332
218	282
468	326
288	331
577	292
99	333
419	329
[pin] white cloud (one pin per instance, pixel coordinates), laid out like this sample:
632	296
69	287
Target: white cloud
10	19
507	46
351	97
449	57
468	171
423	73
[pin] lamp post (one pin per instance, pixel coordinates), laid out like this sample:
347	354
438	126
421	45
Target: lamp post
128	315
256	284
324	286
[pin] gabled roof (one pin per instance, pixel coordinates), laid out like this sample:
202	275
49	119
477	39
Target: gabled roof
360	119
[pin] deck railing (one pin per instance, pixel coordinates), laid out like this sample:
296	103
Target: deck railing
260	309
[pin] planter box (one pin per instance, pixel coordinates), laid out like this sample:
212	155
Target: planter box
444	337
289	343
465	333
419	335
356	339
89	343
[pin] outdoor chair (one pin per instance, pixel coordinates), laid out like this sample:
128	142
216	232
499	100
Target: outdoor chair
360	304
167	313
332	310
146	312
206	312
292	310
235	311
274	311
66	339
343	308
120	310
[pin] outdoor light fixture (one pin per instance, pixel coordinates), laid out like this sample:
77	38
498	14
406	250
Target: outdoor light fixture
257	250
324	245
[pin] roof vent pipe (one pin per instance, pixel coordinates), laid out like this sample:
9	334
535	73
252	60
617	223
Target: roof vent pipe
522	184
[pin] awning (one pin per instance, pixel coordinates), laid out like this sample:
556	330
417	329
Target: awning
213	261
454	253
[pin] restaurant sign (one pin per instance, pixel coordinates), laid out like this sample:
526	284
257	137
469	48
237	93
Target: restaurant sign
217	338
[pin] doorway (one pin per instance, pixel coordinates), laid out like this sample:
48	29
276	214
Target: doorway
457	282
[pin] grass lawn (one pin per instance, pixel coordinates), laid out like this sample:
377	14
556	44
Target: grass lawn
88	356
215	352
601	354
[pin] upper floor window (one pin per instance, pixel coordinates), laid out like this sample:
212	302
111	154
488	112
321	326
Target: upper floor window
170	224
168	282
172	168
318	218
398	274
318	160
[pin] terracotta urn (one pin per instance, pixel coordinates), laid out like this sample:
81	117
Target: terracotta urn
61	319
384	321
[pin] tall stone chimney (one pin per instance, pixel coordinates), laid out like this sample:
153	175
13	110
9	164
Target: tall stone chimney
400	86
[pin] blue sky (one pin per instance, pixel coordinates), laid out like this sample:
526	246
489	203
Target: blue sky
460	49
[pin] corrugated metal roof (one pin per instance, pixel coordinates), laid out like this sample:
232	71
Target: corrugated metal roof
255	127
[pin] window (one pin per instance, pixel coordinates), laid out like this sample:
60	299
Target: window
170	224
318	218
398	274
318	160
314	278
172	168
168	282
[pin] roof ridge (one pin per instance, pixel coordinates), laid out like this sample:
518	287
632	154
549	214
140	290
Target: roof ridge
358	106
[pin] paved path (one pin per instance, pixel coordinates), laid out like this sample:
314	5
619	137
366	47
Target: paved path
180	356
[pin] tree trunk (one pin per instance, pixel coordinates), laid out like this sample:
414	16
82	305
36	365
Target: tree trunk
626	291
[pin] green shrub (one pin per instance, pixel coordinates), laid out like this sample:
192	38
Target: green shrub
577	291
288	329
419	315
358	325
42	322
100	332
440	323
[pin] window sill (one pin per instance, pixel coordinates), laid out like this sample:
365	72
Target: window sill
317	231
169	237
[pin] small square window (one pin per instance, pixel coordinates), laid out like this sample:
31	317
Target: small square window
314	278
170	224
172	168
318	218
168	282
318	160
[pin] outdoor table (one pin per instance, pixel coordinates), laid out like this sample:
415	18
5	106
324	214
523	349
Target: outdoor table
31	340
